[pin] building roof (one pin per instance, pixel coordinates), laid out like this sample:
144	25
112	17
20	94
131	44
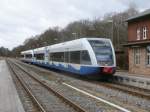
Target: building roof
140	15
141	43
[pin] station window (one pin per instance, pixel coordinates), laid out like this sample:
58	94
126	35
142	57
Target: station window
75	57
39	56
85	58
136	56
138	33
148	55
145	32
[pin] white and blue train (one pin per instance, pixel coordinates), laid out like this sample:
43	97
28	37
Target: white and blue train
85	56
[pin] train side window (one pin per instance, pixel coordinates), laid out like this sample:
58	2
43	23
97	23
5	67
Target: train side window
61	56
39	56
66	57
22	56
85	58
75	57
58	56
51	56
28	55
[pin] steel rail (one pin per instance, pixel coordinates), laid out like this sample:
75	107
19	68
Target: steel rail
127	89
66	100
27	89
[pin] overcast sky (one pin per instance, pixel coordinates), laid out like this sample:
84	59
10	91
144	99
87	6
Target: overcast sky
21	19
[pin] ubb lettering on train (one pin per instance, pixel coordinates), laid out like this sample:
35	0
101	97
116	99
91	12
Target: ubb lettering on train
85	56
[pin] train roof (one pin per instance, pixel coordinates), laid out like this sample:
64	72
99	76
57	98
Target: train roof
27	52
78	44
75	42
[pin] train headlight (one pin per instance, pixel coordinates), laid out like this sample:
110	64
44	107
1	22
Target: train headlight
108	70
105	63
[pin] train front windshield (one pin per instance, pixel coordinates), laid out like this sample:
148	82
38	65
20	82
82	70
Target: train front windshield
103	52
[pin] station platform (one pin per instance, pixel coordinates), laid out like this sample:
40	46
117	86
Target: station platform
9	98
126	73
137	80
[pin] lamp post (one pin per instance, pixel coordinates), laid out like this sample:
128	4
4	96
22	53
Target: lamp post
74	35
55	40
112	29
44	43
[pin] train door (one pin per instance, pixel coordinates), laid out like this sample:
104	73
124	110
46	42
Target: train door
46	56
66	59
33	56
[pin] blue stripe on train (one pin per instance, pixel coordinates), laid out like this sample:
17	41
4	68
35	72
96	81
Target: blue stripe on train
84	70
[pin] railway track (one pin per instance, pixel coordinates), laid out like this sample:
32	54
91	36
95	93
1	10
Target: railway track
86	102
79	84
30	104
139	92
127	89
41	93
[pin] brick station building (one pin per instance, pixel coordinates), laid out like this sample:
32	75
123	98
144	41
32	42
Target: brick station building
139	43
